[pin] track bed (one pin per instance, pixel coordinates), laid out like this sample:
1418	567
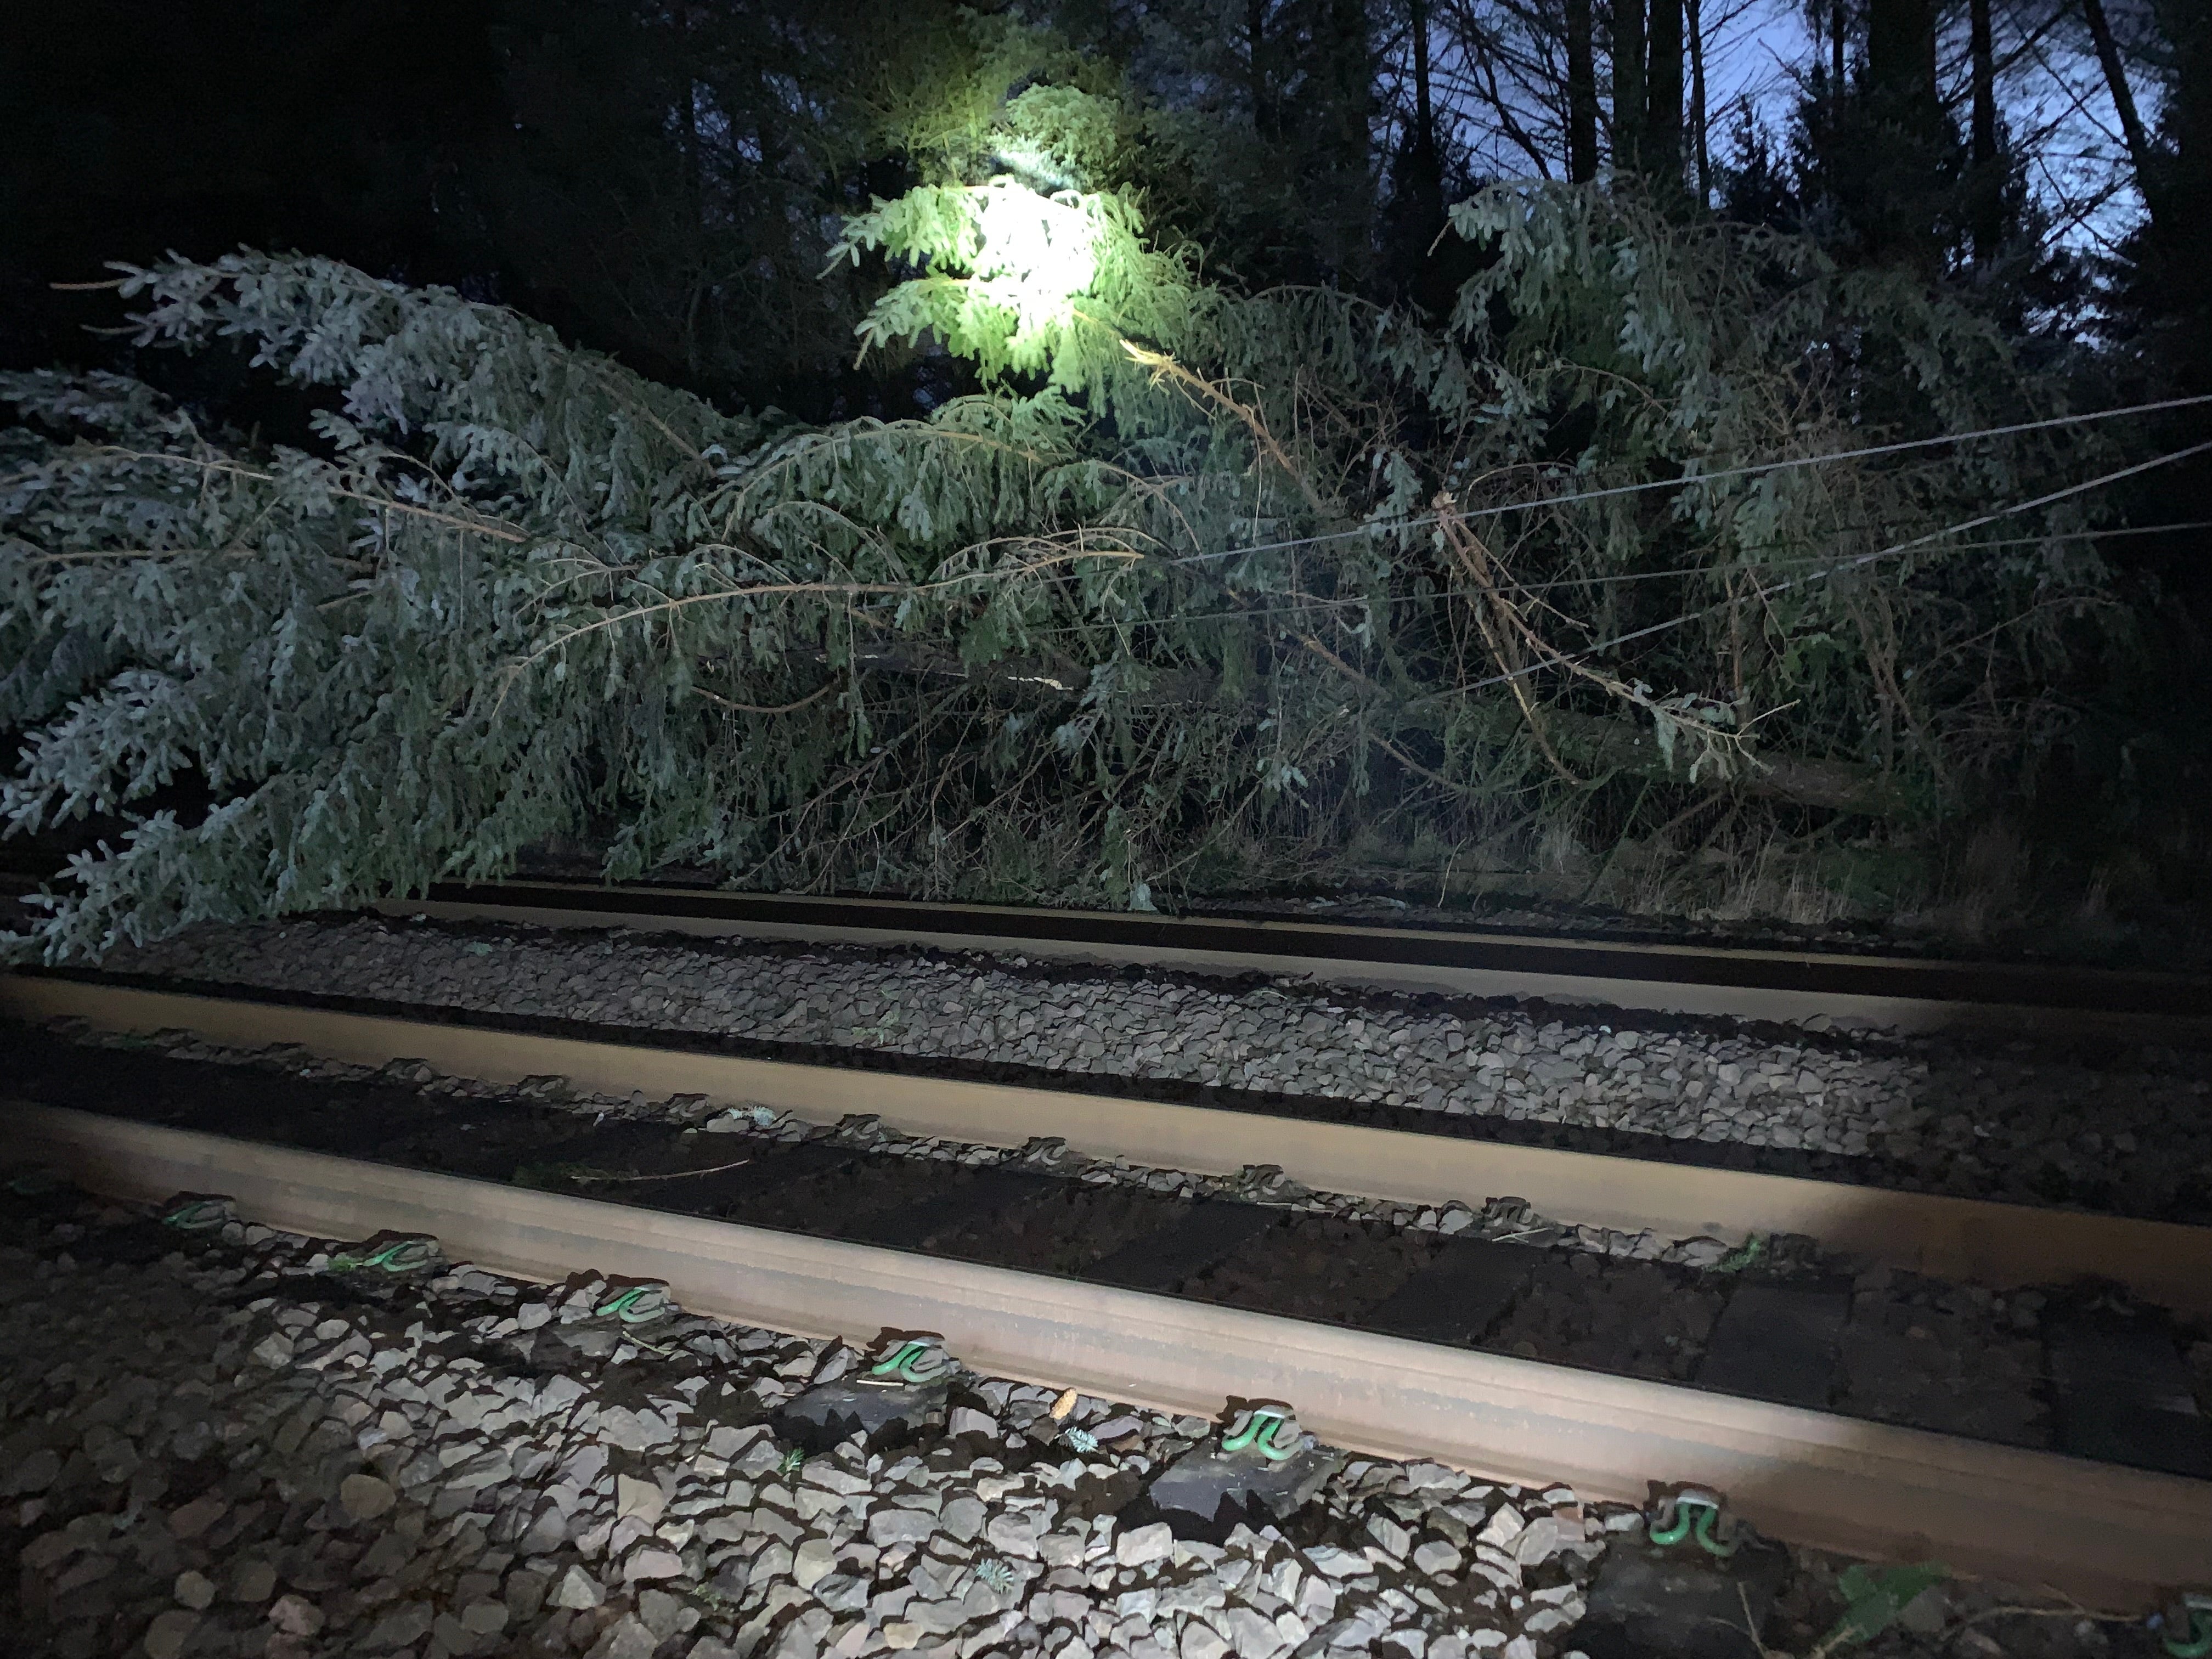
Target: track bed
2023	1368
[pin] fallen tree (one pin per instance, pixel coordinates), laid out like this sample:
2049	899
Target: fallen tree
1596	744
1230	578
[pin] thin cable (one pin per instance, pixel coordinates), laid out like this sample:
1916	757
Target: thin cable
1845	564
2088	535
1824	558
1703	477
1393	600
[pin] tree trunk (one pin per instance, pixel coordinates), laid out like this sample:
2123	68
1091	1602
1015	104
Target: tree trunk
687	119
1255	68
1346	74
1839	32
1901	55
1985	84
1594	742
695	182
2123	98
1989	186
1581	95
1703	153
1428	173
1663	94
1628	105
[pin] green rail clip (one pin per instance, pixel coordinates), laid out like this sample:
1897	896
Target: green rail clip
197	1213
2188	1628
909	1362
638	1304
402	1253
1266	1427
1745	1257
1692	1513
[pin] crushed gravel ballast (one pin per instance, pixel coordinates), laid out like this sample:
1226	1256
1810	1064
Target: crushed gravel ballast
219	1445
2094	1125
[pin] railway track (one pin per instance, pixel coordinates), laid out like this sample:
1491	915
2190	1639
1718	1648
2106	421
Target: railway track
1386	1339
1906	994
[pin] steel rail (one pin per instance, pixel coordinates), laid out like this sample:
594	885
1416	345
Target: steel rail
1901	993
2108	1535
1980	1240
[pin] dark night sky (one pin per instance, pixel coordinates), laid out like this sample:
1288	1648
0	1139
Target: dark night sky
139	129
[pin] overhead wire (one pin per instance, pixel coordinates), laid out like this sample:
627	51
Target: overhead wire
1688	481
1833	568
1617	578
1852	562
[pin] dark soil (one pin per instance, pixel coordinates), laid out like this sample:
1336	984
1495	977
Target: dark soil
1316	1267
1925	1353
1059	1232
1655	1318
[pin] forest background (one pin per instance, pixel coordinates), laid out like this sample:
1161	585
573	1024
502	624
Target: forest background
1690	456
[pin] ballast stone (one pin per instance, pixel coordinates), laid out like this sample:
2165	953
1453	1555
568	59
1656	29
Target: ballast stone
648	1563
577	1590
1141	1546
890	1526
365	1497
626	1638
167	1636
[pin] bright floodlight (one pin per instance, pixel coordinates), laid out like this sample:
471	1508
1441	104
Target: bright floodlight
1036	253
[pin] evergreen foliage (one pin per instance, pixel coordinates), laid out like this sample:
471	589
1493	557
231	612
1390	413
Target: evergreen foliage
1203	584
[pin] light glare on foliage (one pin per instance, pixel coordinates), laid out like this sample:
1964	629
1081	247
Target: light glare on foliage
1036	253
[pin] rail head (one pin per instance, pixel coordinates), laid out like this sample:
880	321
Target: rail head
1904	993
